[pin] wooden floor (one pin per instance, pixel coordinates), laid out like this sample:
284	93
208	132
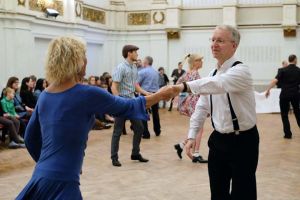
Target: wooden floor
166	177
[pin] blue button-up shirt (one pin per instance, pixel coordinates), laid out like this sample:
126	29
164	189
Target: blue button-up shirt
126	75
149	79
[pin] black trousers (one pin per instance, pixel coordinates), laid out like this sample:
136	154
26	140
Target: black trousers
13	125
284	111
232	160
156	122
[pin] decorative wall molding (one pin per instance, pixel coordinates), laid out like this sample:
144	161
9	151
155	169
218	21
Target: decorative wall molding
158	17
78	9
289	32
93	15
21	2
139	19
173	34
41	5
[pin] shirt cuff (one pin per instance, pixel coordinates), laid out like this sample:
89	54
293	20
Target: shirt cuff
192	87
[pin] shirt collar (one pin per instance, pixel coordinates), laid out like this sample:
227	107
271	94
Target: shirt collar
227	64
128	64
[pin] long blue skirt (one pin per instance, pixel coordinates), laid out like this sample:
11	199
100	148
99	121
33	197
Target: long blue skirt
48	189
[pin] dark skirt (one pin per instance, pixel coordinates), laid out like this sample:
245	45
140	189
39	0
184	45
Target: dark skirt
48	189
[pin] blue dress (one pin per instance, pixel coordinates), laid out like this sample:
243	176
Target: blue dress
57	133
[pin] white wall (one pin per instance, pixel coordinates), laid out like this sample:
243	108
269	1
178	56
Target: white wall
95	65
40	52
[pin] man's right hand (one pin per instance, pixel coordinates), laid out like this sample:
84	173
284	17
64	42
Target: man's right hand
267	94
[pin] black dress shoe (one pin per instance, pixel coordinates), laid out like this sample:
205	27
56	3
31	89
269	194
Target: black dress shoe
287	136
146	137
199	159
116	163
179	150
139	158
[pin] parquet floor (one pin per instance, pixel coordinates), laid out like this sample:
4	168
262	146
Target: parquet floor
166	177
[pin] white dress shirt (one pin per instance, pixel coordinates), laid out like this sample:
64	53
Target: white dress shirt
237	82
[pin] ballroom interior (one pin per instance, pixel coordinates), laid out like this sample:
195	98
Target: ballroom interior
166	30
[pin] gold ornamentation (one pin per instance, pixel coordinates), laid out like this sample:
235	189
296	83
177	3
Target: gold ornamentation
93	15
78	9
173	34
138	19
42	5
158	20
289	32
21	2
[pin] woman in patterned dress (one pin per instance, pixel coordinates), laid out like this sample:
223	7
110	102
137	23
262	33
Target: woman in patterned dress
186	106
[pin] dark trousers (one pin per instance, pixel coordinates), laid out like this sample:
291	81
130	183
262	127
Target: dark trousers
13	125
156	122
233	160
118	129
284	111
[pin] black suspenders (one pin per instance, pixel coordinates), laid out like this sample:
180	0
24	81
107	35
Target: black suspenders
235	122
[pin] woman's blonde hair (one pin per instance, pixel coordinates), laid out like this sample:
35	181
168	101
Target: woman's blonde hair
191	58
65	59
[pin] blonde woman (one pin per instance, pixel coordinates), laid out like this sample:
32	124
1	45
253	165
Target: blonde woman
57	132
186	106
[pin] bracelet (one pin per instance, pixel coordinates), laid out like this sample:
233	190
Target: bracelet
184	87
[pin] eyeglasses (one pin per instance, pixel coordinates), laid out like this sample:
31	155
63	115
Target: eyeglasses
219	41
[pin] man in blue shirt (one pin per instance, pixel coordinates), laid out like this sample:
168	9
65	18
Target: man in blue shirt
125	85
149	80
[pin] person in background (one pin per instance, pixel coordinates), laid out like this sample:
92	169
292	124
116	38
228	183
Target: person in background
92	80
41	84
85	81
139	64
98	81
187	104
108	81
9	118
26	92
289	80
33	78
176	74
125	84
24	112
103	81
284	64
148	79
163	80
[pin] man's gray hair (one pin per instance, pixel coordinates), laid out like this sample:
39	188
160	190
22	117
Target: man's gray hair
236	37
149	59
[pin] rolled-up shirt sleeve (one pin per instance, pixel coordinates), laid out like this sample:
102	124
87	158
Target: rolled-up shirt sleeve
197	119
236	79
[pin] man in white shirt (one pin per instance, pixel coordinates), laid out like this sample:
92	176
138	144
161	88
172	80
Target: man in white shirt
227	95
